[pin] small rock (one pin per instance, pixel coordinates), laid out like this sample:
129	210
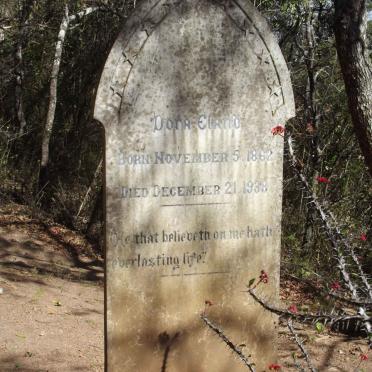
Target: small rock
1	290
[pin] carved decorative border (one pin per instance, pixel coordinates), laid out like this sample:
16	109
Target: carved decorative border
151	14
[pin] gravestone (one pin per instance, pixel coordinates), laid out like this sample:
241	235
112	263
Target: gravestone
188	97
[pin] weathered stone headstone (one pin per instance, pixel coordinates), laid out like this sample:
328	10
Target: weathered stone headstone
188	98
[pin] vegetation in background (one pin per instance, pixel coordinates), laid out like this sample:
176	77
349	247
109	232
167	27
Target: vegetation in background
71	188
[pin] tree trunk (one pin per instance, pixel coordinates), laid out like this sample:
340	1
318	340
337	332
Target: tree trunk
95	227
23	17
43	176
351	40
90	198
83	13
19	87
311	118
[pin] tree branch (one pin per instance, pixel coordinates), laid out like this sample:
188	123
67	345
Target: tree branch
83	13
300	345
314	318
237	351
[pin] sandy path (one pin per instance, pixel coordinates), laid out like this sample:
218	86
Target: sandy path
50	324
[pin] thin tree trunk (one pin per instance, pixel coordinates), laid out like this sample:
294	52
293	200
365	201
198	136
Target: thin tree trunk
311	117
43	177
351	44
19	87
83	13
87	205
24	14
92	230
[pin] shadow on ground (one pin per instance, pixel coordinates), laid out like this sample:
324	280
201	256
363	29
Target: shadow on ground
50	250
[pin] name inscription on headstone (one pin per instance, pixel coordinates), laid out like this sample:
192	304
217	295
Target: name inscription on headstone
188	98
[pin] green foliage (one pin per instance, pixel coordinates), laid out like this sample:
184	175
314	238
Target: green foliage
319	327
251	282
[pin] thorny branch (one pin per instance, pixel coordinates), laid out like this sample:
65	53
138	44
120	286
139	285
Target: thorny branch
366	304
354	257
330	319
237	351
300	345
323	215
336	238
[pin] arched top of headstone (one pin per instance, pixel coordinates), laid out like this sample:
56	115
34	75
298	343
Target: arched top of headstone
148	18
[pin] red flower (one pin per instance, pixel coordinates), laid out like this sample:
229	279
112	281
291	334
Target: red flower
208	303
275	367
278	130
293	309
323	180
264	277
363	357
363	237
335	286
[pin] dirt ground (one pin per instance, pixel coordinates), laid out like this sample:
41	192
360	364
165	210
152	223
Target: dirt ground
51	305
